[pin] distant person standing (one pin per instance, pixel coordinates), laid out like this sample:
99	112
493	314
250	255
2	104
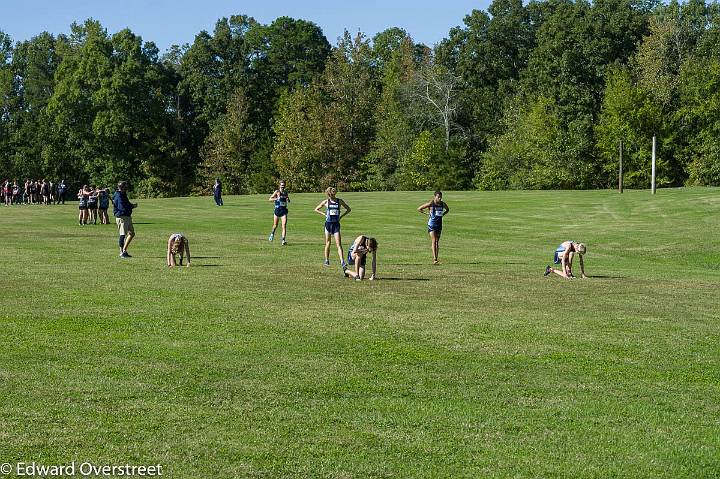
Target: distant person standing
92	205
122	209
217	192
16	193
53	192
7	193
281	199
103	204
45	192
62	188
436	210
82	196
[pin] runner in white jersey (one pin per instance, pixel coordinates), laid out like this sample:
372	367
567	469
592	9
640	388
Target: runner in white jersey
564	255
178	244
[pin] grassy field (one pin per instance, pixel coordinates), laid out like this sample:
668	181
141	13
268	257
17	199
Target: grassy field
258	362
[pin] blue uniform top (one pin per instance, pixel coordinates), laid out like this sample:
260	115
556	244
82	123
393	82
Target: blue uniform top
282	200
436	214
121	204
332	213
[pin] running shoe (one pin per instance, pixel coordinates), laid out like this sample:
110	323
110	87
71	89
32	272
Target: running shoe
548	270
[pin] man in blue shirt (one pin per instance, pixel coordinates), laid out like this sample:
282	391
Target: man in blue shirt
122	209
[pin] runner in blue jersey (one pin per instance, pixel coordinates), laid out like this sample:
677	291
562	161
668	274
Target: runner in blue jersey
92	205
333	214
436	209
83	195
103	205
281	199
564	255
357	257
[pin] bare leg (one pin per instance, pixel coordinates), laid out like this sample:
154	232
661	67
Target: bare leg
338	243
274	227
284	226
434	247
327	246
559	272
360	273
128	238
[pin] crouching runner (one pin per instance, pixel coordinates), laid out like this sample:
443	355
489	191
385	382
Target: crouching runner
357	257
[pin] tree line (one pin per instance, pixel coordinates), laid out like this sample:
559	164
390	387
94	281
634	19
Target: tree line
535	95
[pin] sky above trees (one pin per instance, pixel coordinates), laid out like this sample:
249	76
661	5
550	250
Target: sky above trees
168	22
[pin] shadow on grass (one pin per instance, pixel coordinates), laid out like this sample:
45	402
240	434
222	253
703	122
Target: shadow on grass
483	262
296	243
235	205
472	263
197	257
391	278
407	264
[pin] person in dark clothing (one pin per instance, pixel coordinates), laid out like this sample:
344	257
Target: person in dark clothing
103	203
62	188
217	192
122	210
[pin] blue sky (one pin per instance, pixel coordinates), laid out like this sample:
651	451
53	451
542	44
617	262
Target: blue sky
168	22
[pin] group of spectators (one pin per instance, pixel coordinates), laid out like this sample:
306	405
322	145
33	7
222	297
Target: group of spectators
32	192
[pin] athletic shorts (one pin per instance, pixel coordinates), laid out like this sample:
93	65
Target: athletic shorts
281	211
351	261
556	260
92	206
436	228
332	227
125	225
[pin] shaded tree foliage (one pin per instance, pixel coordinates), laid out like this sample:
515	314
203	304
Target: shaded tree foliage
522	95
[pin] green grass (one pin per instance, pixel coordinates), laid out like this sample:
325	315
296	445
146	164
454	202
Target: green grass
259	362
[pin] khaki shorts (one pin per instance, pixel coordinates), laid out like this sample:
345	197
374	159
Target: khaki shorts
125	226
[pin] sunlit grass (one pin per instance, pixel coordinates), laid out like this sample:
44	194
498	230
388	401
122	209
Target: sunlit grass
257	361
